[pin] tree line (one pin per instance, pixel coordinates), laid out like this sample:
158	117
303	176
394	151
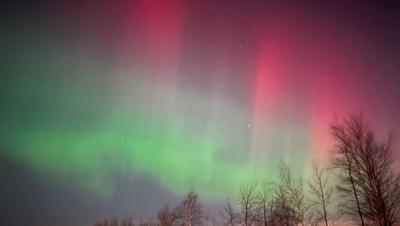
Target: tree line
358	186
187	213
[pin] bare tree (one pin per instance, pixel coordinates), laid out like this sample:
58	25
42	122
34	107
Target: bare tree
282	211
248	203
366	179
378	182
321	193
292	189
348	172
165	216
229	215
273	203
265	196
189	212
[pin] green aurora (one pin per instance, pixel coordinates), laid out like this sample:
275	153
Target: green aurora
77	117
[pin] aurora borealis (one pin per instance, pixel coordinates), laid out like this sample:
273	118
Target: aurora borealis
203	95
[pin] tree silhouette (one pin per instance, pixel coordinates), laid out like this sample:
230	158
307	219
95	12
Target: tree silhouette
291	191
229	215
365	177
265	203
343	161
321	193
165	216
248	203
189	212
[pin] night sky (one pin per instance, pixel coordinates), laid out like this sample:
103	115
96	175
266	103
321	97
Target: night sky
114	108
